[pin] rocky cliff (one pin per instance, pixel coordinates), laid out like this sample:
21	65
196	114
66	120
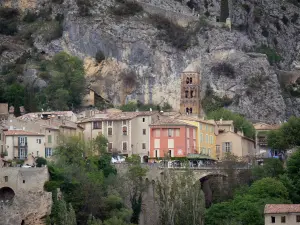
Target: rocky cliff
144	59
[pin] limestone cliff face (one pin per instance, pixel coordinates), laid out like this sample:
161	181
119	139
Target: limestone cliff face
131	44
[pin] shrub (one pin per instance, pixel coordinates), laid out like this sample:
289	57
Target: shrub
127	9
84	7
224	69
272	55
51	31
295	17
52	185
166	107
99	56
30	17
8	13
40	161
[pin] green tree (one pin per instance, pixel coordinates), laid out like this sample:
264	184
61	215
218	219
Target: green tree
239	122
271	168
180	199
67	82
40	161
15	96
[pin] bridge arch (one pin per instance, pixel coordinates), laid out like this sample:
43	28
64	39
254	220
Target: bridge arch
6	194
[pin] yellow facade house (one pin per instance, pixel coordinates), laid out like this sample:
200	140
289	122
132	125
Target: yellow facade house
206	135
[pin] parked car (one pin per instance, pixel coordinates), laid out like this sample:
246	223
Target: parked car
26	166
117	159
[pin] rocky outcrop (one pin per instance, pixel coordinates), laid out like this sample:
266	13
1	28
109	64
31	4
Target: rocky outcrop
132	46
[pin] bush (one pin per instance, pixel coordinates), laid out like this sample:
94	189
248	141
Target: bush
40	161
30	17
127	9
84	7
52	185
224	69
99	56
8	13
272	55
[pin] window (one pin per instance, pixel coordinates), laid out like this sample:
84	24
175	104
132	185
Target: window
177	132
170	132
97	125
201	137
283	219
124	122
206	128
38	141
188	132
194	133
6	178
22	140
209	151
206	138
218	149
124	146
124	130
156	154
227	147
298	218
37	153
48	152
143	120
156	132
192	94
22	153
186	94
187	80
144	131
170	153
109	131
110	146
211	139
191	80
273	219
200	126
49	139
143	145
187	110
191	110
211	129
109	123
23	181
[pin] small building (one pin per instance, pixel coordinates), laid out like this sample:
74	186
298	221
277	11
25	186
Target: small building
3	111
20	143
172	138
282	214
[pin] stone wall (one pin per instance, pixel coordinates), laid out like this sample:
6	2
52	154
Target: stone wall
31	204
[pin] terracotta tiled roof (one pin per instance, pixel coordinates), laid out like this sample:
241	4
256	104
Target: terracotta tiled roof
21	132
224	122
264	126
116	116
282	208
164	121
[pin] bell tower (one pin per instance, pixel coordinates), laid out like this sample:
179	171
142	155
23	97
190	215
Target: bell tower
190	91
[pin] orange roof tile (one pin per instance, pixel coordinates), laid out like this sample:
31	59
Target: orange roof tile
163	121
282	208
21	132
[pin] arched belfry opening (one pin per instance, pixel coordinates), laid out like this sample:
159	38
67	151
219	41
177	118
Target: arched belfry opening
6	194
224	10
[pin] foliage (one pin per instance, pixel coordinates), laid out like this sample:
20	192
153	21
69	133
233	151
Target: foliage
179	199
272	55
125	8
99	56
166	107
271	168
286	137
67	82
133	106
224	69
239	122
247	207
84	7
40	161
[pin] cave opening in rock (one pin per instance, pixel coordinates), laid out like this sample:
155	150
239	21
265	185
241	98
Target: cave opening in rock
6	194
224	14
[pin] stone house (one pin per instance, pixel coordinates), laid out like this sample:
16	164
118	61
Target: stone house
3	111
206	135
282	214
262	149
20	143
127	132
172	138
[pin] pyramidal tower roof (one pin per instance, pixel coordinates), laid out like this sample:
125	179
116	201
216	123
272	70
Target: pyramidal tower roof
194	67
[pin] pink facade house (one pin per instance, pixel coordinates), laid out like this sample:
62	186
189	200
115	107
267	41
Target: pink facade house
172	138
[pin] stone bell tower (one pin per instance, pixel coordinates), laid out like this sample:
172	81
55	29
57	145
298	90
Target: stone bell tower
190	90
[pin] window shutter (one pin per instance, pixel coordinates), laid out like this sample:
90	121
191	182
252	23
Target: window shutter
230	146
25	140
224	147
19	141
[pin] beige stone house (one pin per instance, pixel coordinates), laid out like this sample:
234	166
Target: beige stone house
127	132
19	144
282	214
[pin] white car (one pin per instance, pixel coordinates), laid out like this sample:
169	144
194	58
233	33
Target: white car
26	166
117	159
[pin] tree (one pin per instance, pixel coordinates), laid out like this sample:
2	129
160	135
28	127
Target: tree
67	82
15	96
136	186
180	199
271	168
40	161
276	140
239	122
